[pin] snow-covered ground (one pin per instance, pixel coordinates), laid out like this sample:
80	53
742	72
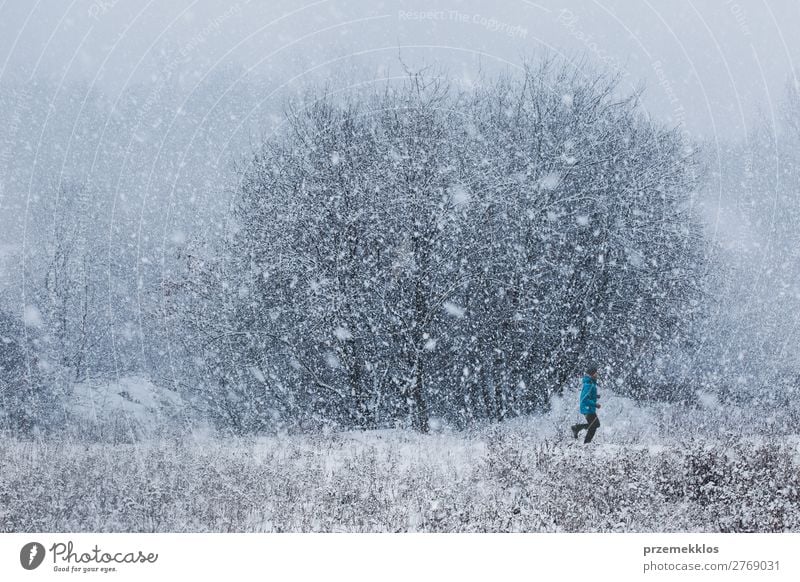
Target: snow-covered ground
527	474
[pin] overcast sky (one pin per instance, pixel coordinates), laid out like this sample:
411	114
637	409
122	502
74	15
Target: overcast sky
708	64
146	102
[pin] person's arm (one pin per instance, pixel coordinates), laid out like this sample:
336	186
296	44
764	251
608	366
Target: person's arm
586	394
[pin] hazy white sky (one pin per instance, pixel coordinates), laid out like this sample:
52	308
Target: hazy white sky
709	64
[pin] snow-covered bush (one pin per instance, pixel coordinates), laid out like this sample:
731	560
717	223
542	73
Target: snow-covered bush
510	477
27	403
125	410
426	251
744	488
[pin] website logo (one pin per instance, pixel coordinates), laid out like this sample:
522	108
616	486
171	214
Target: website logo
32	555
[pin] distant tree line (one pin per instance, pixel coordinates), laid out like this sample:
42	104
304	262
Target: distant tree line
747	349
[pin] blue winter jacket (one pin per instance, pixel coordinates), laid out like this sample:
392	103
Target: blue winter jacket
589	395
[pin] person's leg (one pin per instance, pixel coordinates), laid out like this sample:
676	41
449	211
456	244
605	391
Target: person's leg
594	424
576	428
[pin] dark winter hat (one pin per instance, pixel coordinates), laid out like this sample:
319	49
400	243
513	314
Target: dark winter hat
591	369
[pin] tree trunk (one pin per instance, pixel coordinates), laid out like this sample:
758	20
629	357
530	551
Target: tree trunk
419	418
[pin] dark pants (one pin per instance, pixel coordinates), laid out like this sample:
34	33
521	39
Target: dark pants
591	425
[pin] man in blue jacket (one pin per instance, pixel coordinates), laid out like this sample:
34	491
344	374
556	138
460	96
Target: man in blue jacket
589	406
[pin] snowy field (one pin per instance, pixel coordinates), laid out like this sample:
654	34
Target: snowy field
666	468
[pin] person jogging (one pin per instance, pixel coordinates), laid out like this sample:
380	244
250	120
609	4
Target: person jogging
588	406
